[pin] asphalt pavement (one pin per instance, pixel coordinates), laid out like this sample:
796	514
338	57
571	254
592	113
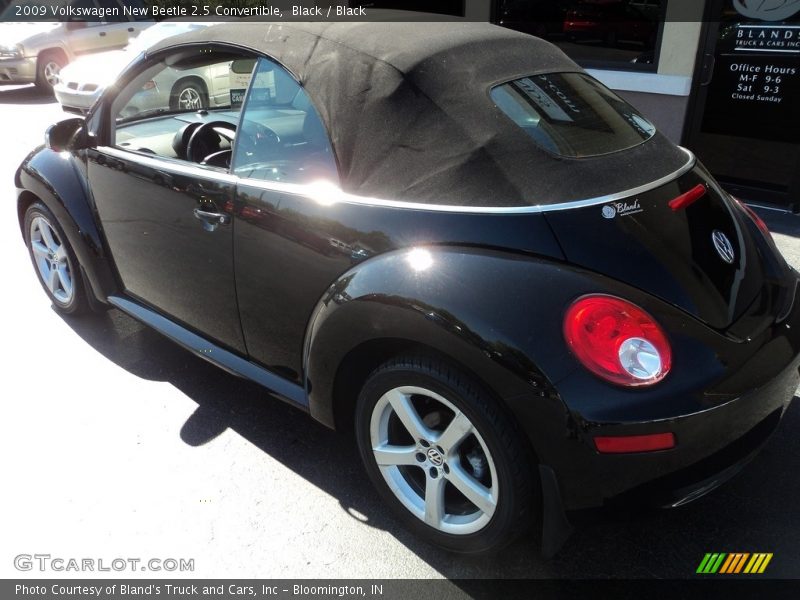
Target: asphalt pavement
116	443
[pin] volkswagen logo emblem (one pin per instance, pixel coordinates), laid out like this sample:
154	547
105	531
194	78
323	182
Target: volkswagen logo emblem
723	246
435	457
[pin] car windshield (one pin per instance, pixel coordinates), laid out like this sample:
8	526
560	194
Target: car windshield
158	32
572	115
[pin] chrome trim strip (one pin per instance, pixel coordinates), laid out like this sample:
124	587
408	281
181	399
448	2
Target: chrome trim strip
328	193
169	165
691	161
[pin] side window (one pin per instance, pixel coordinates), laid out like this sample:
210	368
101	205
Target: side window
281	137
185	109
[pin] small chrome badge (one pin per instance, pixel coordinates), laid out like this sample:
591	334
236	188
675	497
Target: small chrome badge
435	457
723	246
609	212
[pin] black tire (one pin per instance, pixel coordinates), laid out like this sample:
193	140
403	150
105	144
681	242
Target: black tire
196	93
509	464
47	64
75	302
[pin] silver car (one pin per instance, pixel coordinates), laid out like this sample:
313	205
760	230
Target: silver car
36	52
81	82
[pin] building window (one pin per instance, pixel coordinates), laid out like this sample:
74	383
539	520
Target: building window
604	34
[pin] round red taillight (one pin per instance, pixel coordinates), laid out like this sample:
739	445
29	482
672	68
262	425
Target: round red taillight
617	340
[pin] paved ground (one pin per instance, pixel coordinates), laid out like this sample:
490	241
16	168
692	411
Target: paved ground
117	443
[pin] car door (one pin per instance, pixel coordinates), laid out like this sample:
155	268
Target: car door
117	32
86	36
166	220
219	77
284	258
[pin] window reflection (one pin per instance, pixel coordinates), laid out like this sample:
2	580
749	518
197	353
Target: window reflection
281	137
600	33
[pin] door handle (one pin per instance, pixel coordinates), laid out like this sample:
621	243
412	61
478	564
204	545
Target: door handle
131	30
102	34
212	218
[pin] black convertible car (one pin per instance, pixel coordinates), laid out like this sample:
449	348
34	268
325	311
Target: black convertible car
519	296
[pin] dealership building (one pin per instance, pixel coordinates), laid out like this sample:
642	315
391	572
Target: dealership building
721	77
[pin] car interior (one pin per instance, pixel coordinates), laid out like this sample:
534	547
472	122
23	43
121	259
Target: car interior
280	137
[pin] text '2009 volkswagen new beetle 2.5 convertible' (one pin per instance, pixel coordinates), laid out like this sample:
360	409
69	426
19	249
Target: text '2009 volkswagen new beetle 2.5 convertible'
519	296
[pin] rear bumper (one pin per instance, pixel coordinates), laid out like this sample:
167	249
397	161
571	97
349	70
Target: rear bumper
18	70
692	474
711	447
712	443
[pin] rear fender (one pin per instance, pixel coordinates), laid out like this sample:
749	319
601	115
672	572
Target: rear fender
490	312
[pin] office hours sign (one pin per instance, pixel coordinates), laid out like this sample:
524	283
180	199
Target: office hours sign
755	90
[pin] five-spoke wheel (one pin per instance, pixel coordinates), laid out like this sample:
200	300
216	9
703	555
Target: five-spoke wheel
438	466
48	68
54	260
445	455
188	96
51	259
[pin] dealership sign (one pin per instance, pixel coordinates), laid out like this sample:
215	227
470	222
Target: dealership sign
768	38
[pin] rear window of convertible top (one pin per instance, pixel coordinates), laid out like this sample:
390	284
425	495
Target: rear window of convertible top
572	115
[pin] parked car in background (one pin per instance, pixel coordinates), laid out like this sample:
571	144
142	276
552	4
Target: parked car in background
81	82
36	52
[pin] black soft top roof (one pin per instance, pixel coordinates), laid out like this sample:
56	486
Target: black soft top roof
408	111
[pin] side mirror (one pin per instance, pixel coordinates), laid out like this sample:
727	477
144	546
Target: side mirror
74	25
69	134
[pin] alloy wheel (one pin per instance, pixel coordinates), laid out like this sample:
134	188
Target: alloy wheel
51	71
434	460
190	99
51	259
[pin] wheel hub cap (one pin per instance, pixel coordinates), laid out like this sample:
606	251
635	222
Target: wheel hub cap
437	460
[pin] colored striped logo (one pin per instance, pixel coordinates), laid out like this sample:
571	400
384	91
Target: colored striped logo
734	562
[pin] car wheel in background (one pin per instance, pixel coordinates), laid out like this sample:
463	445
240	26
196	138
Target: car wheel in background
54	261
188	95
445	456
48	66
